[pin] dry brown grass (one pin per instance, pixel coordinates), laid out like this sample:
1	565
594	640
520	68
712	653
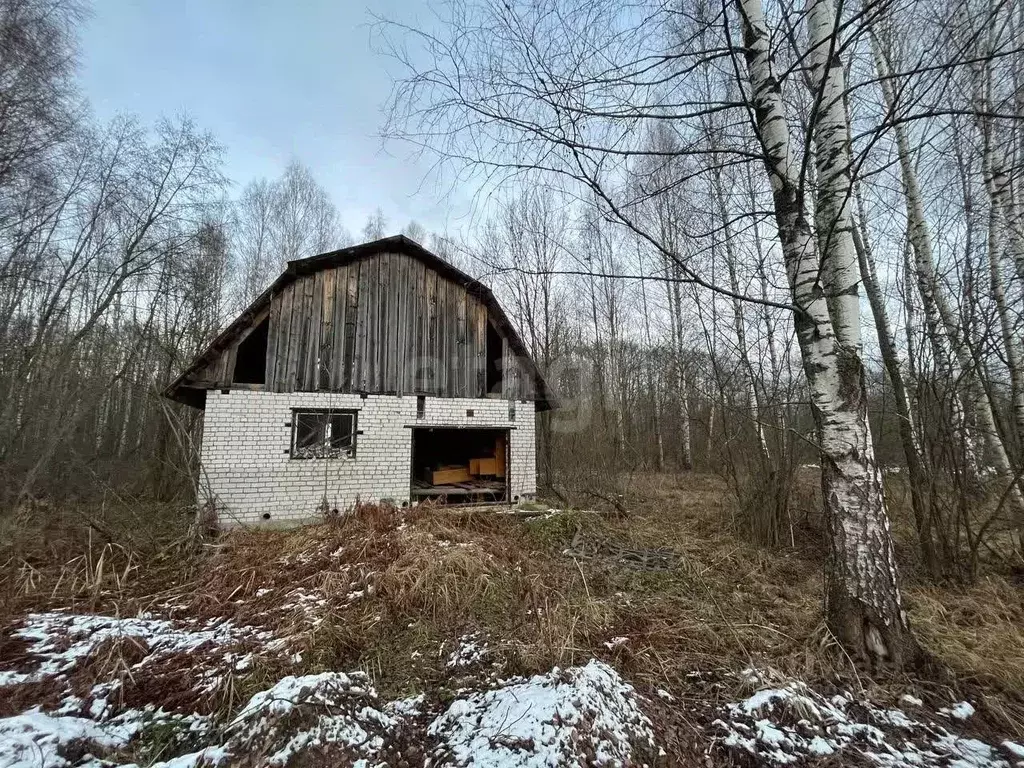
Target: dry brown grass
93	557
977	630
429	575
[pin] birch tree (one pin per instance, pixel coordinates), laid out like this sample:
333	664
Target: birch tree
555	110
863	605
521	248
956	364
278	221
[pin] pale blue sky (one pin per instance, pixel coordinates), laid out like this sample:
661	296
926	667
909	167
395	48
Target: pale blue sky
271	79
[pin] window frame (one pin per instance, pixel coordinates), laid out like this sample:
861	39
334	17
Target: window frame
326	452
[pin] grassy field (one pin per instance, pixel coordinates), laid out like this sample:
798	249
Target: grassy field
390	591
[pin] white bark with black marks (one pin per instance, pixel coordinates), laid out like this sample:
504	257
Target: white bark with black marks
863	605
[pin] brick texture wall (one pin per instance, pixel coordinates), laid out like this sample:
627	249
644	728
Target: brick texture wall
251	478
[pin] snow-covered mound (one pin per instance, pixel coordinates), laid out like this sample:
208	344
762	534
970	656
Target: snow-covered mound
795	724
574	717
56	642
337	715
38	740
580	716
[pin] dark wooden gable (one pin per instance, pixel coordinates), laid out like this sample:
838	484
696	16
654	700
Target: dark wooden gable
386	317
385	323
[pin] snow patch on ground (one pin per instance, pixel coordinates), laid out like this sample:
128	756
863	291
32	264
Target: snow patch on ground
580	715
1014	750
209	756
313	605
471	649
547	720
36	739
43	741
793	724
60	641
533	515
959	711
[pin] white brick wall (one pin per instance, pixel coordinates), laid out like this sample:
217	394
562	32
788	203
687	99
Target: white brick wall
248	472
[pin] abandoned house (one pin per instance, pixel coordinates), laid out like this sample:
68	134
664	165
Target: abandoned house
374	372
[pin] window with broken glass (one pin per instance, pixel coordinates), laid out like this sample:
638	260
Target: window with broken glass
324	434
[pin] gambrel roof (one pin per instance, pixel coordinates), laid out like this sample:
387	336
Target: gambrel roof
190	387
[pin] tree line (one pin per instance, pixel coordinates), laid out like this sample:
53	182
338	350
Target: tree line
124	249
823	203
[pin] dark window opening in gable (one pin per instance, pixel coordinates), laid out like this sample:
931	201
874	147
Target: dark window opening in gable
323	434
495	363
251	360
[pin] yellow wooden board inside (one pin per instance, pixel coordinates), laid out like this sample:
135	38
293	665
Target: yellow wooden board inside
447	475
499	456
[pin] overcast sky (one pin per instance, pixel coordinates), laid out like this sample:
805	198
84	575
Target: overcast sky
272	80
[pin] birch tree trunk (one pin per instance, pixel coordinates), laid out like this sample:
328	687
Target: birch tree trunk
909	441
678	371
739	322
998	180
910	319
667	234
938	323
941	325
615	381
659	438
1010	342
1004	232
652	377
598	355
1012	359
682	386
863	605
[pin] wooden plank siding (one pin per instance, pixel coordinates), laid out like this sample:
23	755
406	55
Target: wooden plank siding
325	347
461	356
284	336
383	324
310	376
430	377
272	341
337	373
481	348
360	370
514	384
442	320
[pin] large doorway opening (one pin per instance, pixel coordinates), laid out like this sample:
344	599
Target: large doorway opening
460	464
